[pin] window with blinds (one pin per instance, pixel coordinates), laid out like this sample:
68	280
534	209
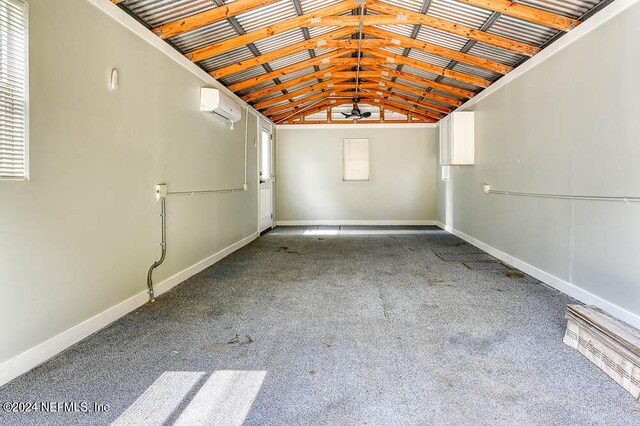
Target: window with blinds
355	159
13	90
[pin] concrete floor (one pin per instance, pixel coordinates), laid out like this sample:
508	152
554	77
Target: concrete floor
409	327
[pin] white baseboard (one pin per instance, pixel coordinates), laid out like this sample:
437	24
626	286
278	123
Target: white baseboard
355	222
35	356
559	284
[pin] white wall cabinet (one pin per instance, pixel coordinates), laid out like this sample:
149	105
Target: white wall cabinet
457	139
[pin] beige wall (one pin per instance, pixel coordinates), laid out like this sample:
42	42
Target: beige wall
79	237
570	125
402	183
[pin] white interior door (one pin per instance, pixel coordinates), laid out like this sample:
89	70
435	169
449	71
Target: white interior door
266	179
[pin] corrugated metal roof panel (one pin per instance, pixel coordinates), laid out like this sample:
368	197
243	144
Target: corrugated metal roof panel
478	72
456	83
316	31
290	60
419	73
159	12
260	86
517	29
279	41
232	57
204	36
244	75
265	16
570	8
414	5
311	5
495	54
297	74
455	11
429	58
441	38
404	30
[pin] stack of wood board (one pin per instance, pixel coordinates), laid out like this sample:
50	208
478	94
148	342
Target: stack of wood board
612	345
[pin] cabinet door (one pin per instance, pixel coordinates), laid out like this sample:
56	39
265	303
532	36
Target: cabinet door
444	142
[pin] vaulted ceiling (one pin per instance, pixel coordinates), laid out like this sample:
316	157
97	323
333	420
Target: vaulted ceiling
304	61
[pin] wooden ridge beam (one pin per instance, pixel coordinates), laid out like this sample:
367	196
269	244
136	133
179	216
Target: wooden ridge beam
329	58
296	93
207	17
411	17
319	42
403	41
526	13
271	30
392	58
322	74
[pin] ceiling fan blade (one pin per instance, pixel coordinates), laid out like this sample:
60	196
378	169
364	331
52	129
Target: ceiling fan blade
366	114
346	115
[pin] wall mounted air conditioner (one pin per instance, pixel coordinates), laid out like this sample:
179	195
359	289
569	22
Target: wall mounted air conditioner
219	104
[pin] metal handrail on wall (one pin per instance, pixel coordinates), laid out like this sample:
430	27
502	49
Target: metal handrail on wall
487	190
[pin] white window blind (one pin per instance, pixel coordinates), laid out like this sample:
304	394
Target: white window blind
13	89
355	159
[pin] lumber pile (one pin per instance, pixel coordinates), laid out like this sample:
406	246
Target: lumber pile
612	345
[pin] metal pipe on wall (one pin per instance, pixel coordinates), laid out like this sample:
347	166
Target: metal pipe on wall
564	197
162	194
163	244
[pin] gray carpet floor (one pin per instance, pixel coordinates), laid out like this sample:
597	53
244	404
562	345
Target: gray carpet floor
357	326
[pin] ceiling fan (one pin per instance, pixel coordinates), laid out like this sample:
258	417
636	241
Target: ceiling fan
355	113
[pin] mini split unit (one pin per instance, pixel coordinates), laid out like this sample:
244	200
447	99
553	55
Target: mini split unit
219	104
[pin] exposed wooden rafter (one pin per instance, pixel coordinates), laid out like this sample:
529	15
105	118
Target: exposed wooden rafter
278	28
403	41
208	17
526	13
411	83
319	42
411	17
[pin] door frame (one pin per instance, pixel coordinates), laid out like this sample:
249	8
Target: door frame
263	125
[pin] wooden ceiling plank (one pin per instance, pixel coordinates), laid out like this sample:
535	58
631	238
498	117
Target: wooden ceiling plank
403	41
271	30
329	58
411	17
526	13
208	17
416	90
318	42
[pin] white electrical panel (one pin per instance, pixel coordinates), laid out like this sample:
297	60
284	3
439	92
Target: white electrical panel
457	139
